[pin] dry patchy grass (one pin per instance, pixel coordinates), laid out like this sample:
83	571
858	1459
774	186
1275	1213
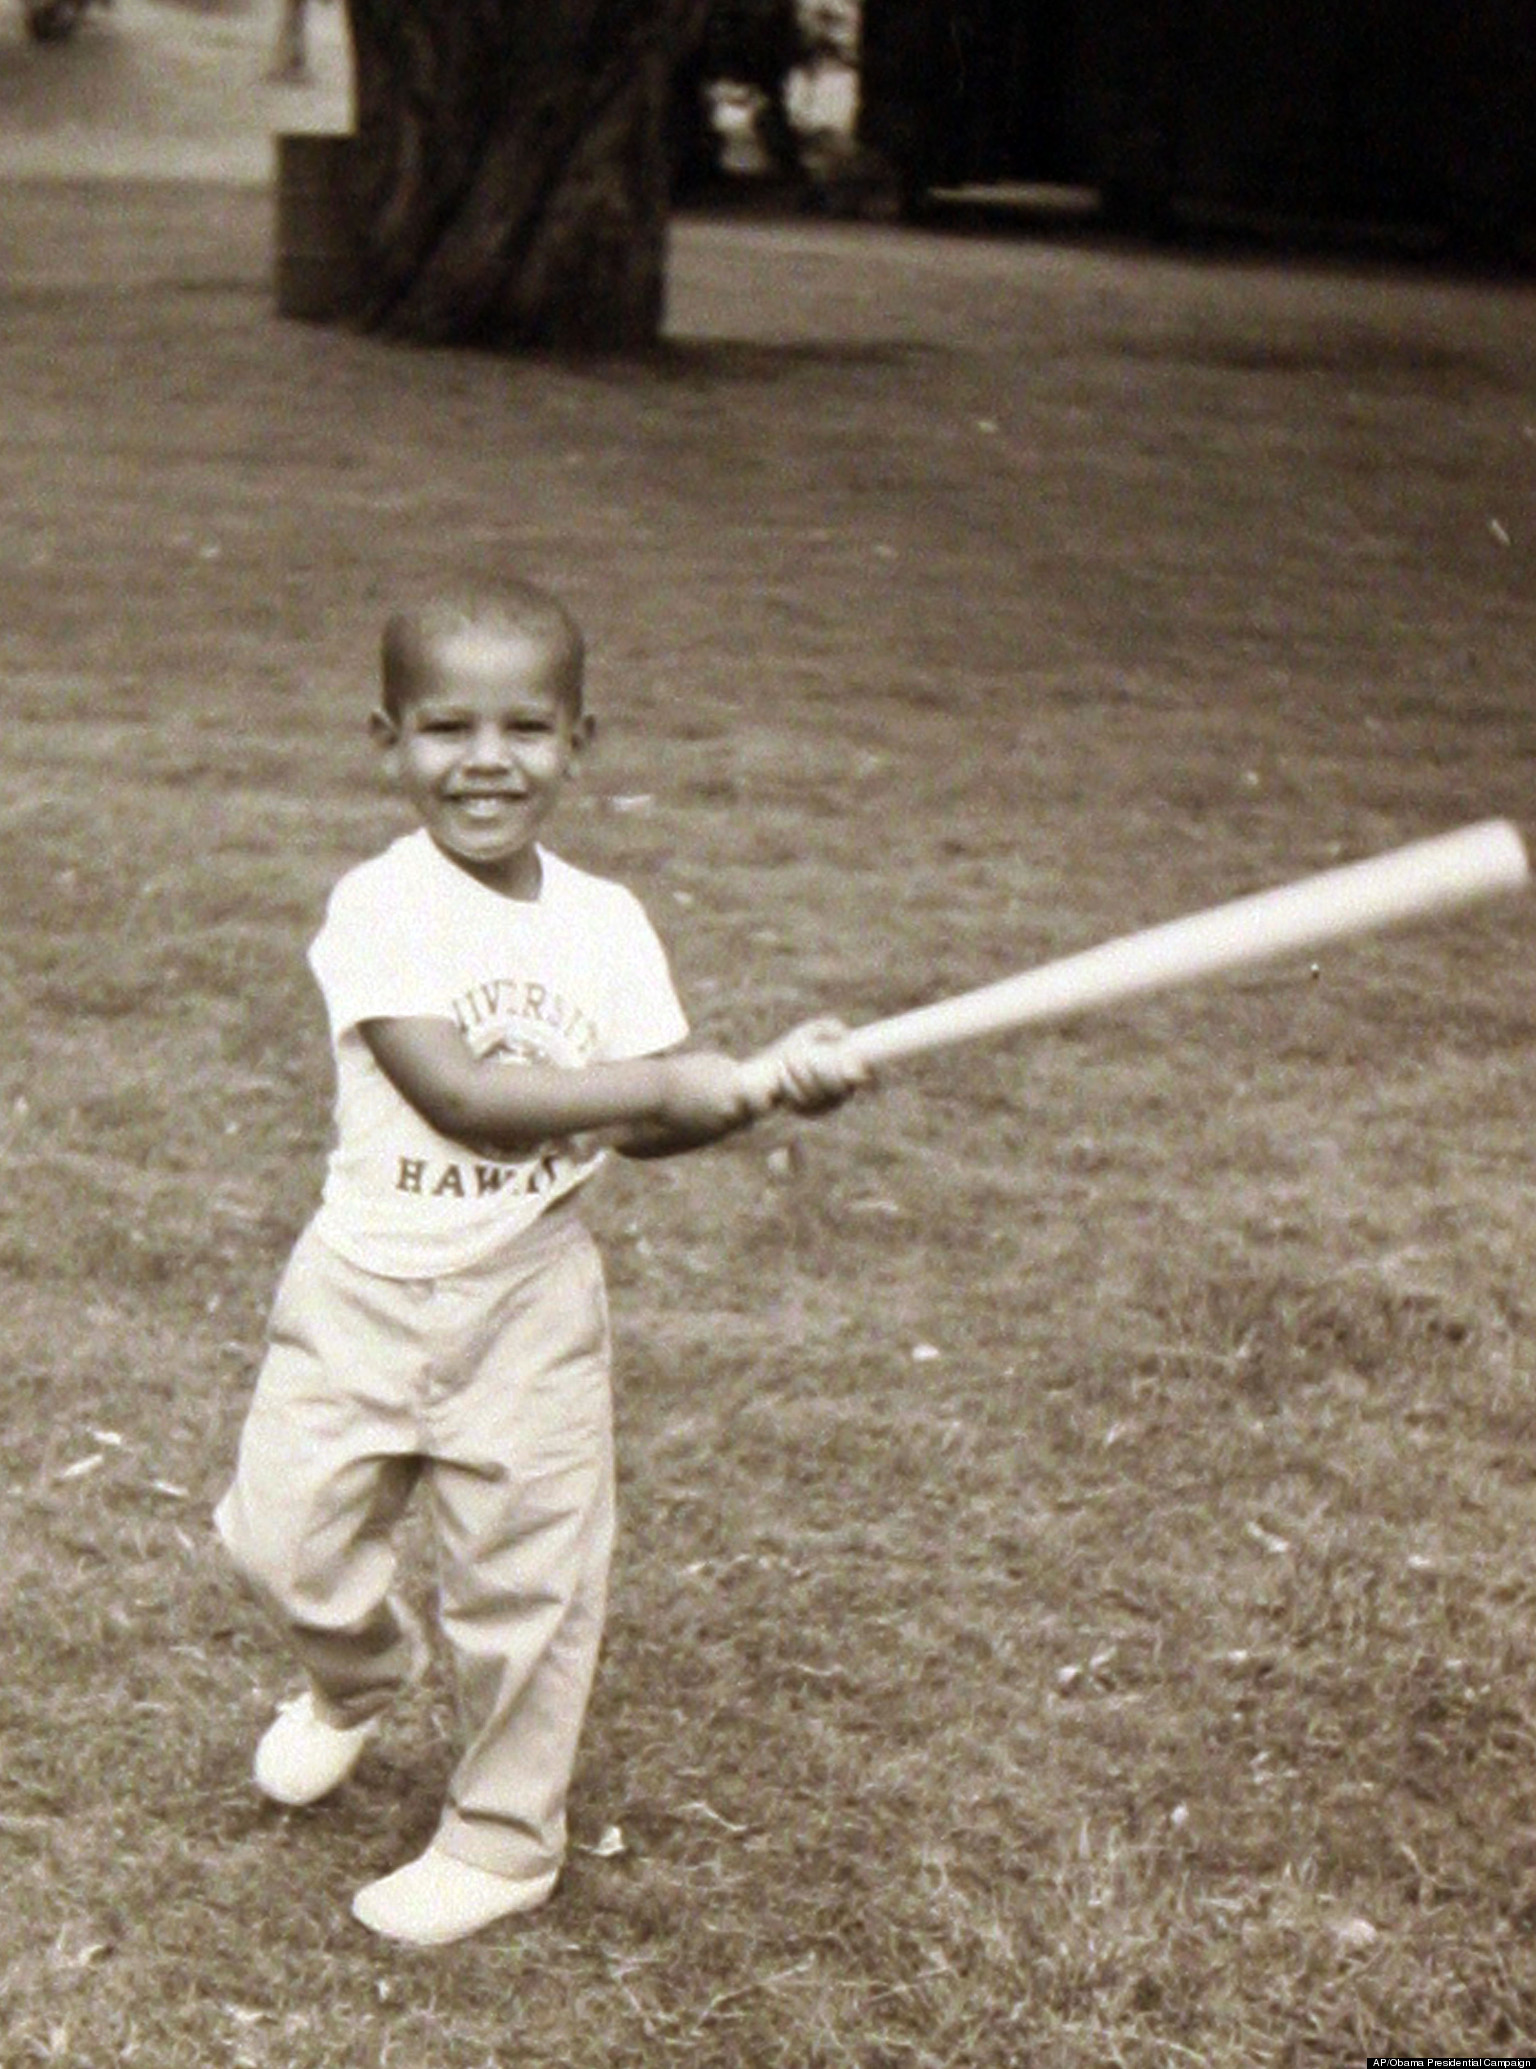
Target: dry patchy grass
1074	1603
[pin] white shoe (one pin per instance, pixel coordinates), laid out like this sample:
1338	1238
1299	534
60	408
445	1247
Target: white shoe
435	1899
303	1757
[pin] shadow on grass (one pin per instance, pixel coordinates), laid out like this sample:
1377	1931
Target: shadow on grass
705	363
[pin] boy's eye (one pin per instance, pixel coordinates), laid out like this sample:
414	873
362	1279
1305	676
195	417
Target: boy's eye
534	727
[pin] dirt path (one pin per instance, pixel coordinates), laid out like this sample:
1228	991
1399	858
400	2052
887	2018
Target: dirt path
152	89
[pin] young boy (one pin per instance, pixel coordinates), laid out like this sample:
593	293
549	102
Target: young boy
497	1018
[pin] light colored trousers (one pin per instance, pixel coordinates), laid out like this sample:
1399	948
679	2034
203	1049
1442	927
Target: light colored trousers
489	1390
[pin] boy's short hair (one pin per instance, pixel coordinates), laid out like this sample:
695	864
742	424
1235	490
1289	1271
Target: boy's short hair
522	610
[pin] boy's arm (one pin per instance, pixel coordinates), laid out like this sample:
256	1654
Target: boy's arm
647	1106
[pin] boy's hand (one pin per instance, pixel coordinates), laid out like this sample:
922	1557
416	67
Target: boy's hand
812	1069
704	1096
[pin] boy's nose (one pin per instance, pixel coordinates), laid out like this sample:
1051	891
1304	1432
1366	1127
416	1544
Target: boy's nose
489	748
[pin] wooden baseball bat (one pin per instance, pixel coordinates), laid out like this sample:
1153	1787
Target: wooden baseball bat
1416	882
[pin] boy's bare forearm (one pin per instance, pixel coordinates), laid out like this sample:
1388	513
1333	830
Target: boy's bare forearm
648	1140
518	1108
646	1106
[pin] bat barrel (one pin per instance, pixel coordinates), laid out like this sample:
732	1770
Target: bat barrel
1415	882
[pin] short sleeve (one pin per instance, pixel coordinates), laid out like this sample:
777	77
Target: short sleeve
643	1012
367	963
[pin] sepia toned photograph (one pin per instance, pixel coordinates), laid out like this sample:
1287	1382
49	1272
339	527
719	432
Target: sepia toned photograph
766	1156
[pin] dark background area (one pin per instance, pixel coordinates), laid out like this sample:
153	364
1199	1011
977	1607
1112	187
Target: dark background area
1171	109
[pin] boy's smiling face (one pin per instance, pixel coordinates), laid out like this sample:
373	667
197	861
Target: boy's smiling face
483	748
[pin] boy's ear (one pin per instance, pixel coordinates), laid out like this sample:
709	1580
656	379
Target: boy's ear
383	730
583	733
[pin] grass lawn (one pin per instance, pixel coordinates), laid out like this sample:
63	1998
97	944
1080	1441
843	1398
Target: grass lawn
1075	1593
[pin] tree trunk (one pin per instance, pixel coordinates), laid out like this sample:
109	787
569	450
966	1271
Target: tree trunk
512	168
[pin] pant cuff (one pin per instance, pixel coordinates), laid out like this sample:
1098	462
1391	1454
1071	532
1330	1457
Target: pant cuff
498	1849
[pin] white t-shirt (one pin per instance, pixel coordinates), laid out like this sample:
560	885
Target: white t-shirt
575	976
